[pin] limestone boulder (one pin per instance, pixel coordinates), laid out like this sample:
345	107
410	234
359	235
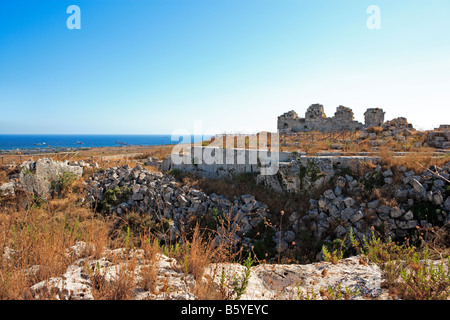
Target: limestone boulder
37	177
292	282
7	189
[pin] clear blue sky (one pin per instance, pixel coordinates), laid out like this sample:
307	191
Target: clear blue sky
153	66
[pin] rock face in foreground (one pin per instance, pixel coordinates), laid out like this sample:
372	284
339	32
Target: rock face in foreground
266	282
292	281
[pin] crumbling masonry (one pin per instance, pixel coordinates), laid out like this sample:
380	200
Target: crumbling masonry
315	119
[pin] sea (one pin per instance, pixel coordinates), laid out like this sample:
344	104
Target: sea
54	141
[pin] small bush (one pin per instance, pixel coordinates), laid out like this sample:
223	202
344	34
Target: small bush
240	285
408	271
424	210
177	174
114	197
64	181
332	257
372	181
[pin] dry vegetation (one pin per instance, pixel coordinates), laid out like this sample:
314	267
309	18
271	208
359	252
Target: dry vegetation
34	240
35	244
37	238
349	142
105	156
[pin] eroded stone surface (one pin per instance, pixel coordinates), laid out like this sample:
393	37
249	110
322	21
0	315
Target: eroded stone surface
267	281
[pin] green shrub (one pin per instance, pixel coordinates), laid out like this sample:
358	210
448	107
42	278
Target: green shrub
37	201
113	197
372	181
425	210
213	219
426	281
264	247
240	285
408	271
338	293
63	182
332	257
177	174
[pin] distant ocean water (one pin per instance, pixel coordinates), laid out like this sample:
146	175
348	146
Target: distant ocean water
33	141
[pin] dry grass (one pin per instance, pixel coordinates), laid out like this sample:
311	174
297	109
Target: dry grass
34	243
349	143
105	156
36	238
149	276
416	161
118	288
4	175
40	237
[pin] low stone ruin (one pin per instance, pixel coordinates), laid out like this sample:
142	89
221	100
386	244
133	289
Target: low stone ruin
316	120
333	214
347	204
421	201
438	138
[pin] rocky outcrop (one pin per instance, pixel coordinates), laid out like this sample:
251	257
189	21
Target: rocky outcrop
421	200
294	281
37	177
86	274
40	177
169	281
7	190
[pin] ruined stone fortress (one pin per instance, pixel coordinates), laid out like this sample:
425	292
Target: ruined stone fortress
315	119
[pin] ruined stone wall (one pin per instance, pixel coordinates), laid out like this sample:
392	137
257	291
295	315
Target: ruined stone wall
348	202
316	120
438	138
290	121
224	163
296	173
373	117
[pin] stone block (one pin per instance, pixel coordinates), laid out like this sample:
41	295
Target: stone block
404	225
329	194
349	201
358	216
396	213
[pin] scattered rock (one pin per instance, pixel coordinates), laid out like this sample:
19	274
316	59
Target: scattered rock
418	186
160	196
